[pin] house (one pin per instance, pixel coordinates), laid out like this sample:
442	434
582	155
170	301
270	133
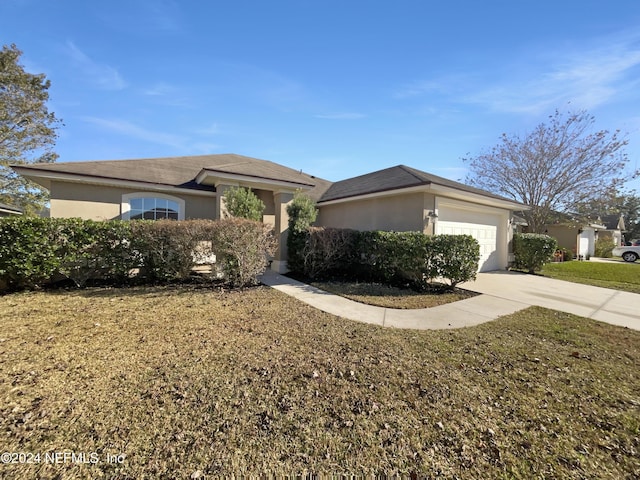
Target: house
580	236
8	210
398	198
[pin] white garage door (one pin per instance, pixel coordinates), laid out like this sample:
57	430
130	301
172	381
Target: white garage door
481	226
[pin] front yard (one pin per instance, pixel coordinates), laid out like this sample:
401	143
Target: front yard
619	276
188	382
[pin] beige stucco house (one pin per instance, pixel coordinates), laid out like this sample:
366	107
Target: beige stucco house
580	237
398	198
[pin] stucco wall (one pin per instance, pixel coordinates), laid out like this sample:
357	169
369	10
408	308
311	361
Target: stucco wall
98	202
567	236
400	213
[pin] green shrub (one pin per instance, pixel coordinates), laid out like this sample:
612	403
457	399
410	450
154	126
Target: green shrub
533	250
28	250
35	250
91	250
396	258
302	213
455	258
166	247
243	203
603	247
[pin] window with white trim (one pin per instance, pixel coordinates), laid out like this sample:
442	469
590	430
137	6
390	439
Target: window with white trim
139	206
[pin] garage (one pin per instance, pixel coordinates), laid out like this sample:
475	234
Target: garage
485	224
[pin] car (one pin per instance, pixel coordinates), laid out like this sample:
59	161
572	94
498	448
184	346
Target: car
629	253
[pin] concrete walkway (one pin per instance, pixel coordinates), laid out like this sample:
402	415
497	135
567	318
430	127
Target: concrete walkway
502	293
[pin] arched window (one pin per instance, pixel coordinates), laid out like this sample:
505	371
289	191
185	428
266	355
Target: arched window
152	206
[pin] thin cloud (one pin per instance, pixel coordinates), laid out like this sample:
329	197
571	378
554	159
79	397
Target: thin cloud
585	77
342	116
164	15
212	129
101	75
166	94
129	129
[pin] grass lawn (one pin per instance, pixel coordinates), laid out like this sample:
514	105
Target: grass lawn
618	276
391	297
189	382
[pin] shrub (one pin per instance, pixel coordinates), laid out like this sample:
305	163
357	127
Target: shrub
328	252
28	250
243	203
398	258
603	247
35	250
302	213
243	248
165	247
455	258
533	250
90	250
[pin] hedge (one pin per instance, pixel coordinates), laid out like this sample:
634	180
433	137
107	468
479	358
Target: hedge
37	251
533	250
401	258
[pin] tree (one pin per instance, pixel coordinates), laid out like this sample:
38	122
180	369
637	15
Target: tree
557	166
27	130
615	203
243	203
302	213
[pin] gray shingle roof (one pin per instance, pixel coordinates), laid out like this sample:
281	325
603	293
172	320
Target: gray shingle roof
394	178
182	171
10	208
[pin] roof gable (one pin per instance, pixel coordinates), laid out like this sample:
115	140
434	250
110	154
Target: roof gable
181	171
395	178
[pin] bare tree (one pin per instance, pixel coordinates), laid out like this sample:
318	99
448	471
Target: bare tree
557	166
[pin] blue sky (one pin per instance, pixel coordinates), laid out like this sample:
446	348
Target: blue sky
336	88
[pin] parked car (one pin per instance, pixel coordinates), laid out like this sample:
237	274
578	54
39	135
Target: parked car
629	253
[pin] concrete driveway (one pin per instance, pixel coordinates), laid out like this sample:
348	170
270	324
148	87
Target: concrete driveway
503	293
610	306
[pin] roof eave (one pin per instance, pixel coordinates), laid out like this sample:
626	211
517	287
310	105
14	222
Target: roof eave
433	188
213	177
45	177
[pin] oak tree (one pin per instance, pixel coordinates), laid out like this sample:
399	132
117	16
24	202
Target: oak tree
27	130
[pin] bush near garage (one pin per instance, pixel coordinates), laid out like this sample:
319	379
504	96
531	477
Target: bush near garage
604	247
533	250
35	252
393	258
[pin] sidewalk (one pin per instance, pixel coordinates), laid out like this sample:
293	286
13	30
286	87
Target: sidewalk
502	293
465	313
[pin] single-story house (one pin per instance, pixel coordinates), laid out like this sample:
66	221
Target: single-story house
9	210
580	236
399	198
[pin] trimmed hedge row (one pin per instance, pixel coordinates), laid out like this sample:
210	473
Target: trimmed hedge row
35	251
390	257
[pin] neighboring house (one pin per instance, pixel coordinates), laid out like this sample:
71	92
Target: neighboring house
615	228
398	198
580	236
8	210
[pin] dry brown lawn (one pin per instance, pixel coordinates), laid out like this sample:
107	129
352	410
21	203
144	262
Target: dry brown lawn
191	383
